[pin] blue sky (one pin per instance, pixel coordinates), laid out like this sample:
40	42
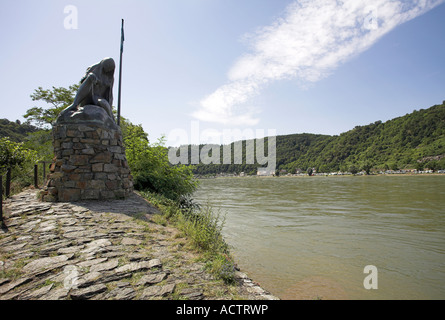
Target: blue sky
317	66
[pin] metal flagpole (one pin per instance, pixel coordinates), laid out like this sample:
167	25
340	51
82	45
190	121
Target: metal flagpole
120	77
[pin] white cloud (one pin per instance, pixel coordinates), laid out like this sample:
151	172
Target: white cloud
225	105
312	39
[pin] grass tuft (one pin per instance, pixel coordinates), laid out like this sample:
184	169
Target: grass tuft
203	226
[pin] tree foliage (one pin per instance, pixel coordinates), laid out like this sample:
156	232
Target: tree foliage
150	166
14	155
15	130
57	98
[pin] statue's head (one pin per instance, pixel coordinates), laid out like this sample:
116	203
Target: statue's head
108	65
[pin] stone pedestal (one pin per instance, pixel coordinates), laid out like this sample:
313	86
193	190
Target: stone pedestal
89	164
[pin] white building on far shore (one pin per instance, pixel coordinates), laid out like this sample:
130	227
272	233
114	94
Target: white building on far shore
262	172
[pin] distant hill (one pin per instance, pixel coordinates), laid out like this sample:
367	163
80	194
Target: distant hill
16	131
415	140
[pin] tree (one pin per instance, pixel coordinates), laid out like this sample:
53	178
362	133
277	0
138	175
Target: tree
432	165
135	140
151	168
152	171
42	142
15	131
13	155
394	166
42	118
58	99
441	164
367	166
419	166
353	169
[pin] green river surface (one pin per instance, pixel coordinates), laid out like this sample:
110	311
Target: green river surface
311	237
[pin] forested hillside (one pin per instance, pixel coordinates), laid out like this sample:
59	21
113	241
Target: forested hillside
416	140
16	131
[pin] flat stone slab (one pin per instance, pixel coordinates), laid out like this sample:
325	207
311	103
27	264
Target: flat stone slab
44	263
109	265
139	266
152	279
131	241
88	293
12	285
156	291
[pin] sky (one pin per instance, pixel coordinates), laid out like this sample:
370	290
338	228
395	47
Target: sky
201	70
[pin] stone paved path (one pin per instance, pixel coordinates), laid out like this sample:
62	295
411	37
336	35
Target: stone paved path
102	250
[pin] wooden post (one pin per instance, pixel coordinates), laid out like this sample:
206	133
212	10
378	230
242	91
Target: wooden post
44	172
1	200
36	177
8	183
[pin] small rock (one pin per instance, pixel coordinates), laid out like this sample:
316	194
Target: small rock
82	234
44	263
139	266
241	275
152	279
256	290
134	257
96	246
22	239
5	280
47	226
167	289
14	247
70	249
88	293
122	294
192	294
150	292
56	294
67	222
89	263
130	241
89	279
105	266
156	291
12	285
36	294
69	229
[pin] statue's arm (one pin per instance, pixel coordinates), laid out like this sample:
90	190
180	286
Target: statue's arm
110	99
92	77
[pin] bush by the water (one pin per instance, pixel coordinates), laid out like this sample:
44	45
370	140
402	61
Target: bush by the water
203	226
151	168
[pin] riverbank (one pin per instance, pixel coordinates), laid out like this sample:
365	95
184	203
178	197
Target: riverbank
104	250
305	175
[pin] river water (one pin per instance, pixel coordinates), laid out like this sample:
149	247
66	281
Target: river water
312	237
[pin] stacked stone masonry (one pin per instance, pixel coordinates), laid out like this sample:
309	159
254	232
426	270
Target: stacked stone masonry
89	164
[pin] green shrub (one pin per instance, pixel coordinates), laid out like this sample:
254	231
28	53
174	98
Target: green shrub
204	228
151	168
21	161
222	267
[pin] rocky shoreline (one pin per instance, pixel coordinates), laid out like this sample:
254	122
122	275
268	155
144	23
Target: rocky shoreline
103	250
